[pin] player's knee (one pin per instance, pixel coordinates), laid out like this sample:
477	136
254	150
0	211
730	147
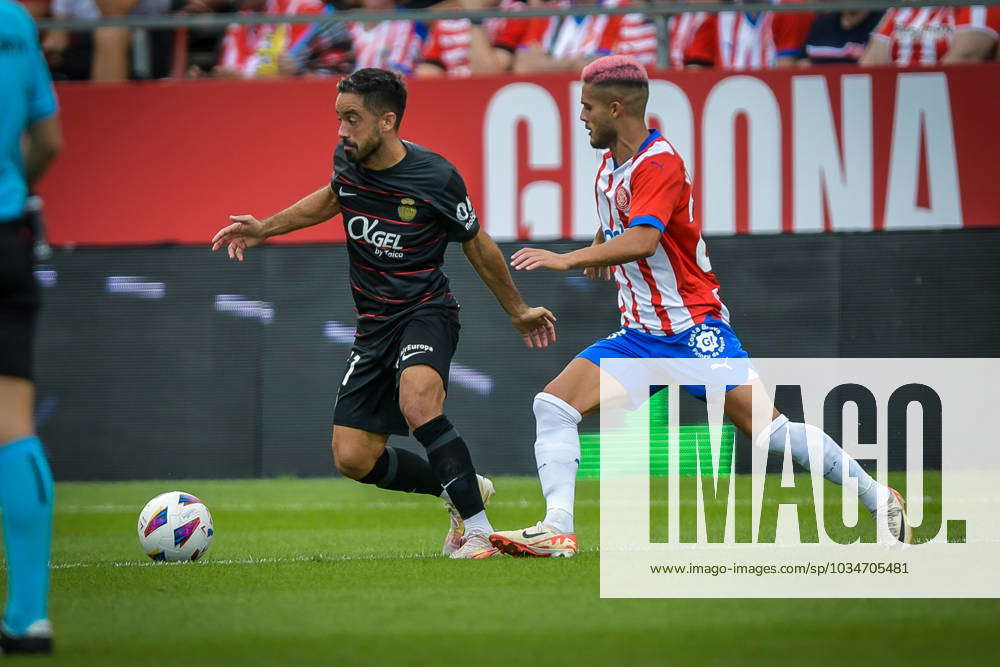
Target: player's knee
418	410
421	403
540	406
549	407
352	462
354	467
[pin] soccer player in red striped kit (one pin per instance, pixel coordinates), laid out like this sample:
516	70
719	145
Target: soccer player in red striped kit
650	243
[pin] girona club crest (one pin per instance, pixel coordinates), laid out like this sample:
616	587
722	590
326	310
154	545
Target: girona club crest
622	198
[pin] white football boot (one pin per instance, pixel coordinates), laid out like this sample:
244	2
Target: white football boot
476	545
453	540
538	541
898	526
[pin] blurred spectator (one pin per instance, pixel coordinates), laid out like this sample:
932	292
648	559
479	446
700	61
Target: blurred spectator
460	47
394	44
789	32
840	37
738	40
510	35
682	29
109	60
977	31
570	42
203	43
111	45
38	9
255	50
911	36
324	49
205	6
637	37
68	53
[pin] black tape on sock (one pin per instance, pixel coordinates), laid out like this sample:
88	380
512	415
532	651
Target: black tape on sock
452	465
401	470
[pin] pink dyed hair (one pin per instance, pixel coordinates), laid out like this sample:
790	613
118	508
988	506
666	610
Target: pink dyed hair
614	69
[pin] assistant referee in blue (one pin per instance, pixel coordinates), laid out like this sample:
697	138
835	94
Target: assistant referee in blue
30	137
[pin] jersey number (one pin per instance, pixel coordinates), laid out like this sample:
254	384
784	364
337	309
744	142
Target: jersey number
701	256
701	251
354	359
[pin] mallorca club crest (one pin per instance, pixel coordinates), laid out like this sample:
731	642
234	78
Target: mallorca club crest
407	209
622	198
706	342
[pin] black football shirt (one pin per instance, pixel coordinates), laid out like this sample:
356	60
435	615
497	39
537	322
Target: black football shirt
398	222
829	43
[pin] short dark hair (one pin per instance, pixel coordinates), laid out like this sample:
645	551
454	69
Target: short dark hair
381	90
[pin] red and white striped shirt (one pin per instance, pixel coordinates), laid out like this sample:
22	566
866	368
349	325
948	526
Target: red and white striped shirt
674	289
573	36
583	36
733	40
637	38
448	46
979	17
388	44
683	28
253	50
740	40
918	35
449	40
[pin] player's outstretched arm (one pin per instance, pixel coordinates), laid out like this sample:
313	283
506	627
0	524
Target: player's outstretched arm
247	231
636	243
598	272
537	325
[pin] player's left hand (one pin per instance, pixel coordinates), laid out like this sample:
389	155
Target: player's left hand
537	326
528	259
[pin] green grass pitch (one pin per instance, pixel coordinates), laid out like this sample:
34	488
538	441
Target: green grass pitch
330	572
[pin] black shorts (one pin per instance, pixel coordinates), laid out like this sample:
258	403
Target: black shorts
18	299
368	398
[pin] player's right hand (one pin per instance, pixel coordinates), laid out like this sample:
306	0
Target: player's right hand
599	272
537	326
245	232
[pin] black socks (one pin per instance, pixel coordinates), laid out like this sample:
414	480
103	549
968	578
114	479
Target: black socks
400	470
452	465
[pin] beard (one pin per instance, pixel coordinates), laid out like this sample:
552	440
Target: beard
358	153
599	139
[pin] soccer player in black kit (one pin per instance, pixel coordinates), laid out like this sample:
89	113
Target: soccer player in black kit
401	205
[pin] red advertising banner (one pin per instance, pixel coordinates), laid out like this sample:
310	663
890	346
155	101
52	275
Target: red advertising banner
812	150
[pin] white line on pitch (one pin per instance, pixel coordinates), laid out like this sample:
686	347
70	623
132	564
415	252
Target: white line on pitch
320	558
402	504
291	507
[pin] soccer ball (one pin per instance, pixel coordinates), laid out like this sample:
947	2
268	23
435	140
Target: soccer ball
175	526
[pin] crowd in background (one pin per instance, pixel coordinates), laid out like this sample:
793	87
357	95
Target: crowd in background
730	40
